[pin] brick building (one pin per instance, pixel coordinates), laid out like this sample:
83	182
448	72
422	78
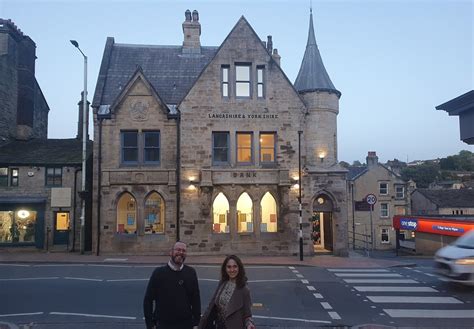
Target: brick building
202	144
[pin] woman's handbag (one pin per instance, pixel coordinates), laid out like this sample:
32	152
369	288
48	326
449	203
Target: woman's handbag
210	320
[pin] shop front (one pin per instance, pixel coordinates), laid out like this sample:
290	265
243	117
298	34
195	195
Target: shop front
426	234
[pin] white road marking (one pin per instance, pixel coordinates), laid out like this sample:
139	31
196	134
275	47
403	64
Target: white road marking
429	274
305	281
57	265
326	305
291	267
295	271
20	314
334	315
411	313
277	280
125	280
95	315
414	299
115	259
20	265
299	275
110	266
311	288
380	281
82	279
24	279
289	319
369	275
355	270
395	289
318	296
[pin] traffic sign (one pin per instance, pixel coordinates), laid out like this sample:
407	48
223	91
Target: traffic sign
371	199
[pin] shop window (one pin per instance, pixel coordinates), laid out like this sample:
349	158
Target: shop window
54	176
126	214
225	80
242	80
17	226
244	148
385	236
129	147
220	211
220	148
269	213
154	214
244	214
399	192
267	148
383	188
14	177
260	81
384	210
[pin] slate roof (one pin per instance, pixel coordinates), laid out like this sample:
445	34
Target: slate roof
43	152
355	171
449	198
459	104
312	75
170	72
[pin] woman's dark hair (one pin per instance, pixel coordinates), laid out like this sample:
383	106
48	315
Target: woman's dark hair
241	279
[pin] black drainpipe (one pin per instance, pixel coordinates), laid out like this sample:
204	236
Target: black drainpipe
73	249
178	172
99	184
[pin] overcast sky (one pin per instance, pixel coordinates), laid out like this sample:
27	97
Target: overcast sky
393	61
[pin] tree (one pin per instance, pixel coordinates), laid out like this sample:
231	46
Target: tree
422	175
357	163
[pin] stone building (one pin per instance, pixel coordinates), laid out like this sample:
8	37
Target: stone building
392	194
202	144
453	202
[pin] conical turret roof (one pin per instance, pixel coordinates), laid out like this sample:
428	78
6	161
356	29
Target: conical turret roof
312	75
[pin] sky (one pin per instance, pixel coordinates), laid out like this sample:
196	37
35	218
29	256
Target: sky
393	61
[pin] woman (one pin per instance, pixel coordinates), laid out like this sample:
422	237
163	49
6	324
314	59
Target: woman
229	307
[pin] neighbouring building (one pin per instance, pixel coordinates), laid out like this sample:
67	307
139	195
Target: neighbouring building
442	202
392	198
202	144
39	177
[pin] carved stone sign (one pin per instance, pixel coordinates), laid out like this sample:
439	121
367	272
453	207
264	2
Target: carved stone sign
139	111
256	116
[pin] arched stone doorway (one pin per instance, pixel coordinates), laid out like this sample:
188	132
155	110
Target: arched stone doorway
322	226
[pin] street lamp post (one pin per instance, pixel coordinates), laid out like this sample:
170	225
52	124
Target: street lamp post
299	195
84	150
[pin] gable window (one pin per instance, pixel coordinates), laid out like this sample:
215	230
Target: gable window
220	148
54	176
129	146
384	236
242	80
383	188
225	80
14	177
244	148
399	192
220	212
3	176
126	214
267	147
151	146
260	83
384	210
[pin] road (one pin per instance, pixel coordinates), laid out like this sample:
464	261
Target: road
83	296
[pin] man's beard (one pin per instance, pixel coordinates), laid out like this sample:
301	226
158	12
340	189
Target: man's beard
173	258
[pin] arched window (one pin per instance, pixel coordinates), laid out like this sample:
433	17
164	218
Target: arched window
127	214
269	213
244	214
154	214
220	210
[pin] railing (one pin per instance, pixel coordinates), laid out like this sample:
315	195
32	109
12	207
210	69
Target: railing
360	241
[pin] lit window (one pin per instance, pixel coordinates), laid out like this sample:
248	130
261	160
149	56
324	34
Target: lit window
220	211
152	146
260	84
3	176
399	192
383	188
384	210
54	176
126	214
14	177
220	148
267	147
385	235
244	214
400	210
130	147
154	214
242	80
269	213
225	80
244	148
17	226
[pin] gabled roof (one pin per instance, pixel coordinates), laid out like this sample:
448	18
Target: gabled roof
312	75
170	72
43	152
355	171
449	198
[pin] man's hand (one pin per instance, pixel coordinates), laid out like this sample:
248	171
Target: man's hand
250	325
195	327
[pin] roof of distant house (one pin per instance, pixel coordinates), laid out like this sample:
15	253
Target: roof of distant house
449	198
355	171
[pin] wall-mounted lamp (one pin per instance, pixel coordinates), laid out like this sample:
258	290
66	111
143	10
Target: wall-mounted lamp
322	155
192	182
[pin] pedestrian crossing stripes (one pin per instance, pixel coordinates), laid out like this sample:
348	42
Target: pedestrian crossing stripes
356	270
380	281
435	314
394	289
410	299
378	275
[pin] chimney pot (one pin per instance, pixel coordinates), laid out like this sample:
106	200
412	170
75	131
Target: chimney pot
269	44
187	15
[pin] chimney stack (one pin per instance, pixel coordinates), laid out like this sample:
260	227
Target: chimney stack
269	44
372	159
192	33
276	57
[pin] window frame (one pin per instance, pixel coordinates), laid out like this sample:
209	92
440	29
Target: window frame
237	148
54	176
397	195
225	83
4	180
382	210
380	188
382	241
220	163
260	83
144	147
266	148
14	179
249	81
123	147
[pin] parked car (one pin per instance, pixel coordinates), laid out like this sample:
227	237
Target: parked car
456	261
